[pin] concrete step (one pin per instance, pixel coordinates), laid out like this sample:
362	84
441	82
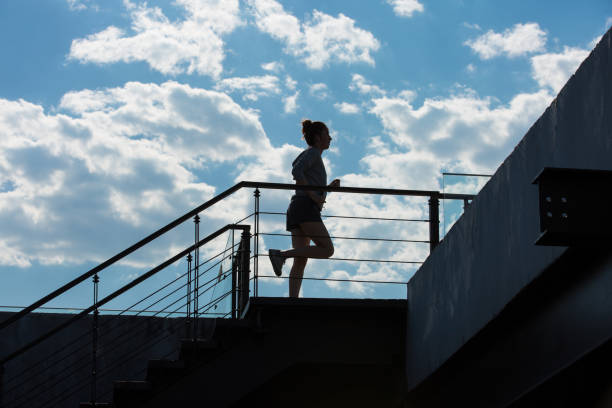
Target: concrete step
161	373
193	351
131	393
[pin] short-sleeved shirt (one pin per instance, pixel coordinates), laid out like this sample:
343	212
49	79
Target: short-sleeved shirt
309	166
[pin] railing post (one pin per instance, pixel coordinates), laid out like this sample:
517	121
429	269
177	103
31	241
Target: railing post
94	363
256	245
244	260
434	221
188	320
196	278
234	277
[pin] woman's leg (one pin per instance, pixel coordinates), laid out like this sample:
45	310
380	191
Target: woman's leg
301	251
316	231
298	240
323	248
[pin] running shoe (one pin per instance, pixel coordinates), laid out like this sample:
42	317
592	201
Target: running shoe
277	261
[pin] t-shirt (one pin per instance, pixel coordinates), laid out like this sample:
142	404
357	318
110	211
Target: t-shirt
309	166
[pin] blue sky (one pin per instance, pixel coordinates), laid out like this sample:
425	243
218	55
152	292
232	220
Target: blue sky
118	116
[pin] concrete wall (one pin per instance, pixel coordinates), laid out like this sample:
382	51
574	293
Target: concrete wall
59	369
488	256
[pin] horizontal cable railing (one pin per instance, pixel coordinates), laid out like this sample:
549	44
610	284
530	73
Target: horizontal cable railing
350	217
354	238
337	280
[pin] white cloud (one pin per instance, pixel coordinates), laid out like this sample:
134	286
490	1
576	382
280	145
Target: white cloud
252	87
291	102
553	70
273	66
472	26
595	41
522	39
405	8
319	90
77	5
114	165
318	42
290	83
12	256
193	45
462	128
361	85
347	108
470	68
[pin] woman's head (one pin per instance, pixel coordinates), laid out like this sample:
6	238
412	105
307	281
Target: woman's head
315	132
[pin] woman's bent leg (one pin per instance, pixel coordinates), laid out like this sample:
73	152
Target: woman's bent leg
299	240
316	231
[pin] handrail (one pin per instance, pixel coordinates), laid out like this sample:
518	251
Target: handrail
209	203
358	190
123	289
119	256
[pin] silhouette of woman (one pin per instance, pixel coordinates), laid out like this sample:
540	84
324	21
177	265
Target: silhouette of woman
304	212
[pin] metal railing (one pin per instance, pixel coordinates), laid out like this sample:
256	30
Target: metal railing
433	221
243	283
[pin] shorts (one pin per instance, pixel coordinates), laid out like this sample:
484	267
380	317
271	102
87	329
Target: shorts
302	209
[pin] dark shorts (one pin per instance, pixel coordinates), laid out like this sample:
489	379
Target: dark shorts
302	209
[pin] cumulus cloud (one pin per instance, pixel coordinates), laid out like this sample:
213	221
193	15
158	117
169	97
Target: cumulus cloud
290	102
520	40
347	108
319	90
322	40
79	5
361	85
193	45
461	128
273	66
405	8
290	83
472	26
252	87
552	70
112	166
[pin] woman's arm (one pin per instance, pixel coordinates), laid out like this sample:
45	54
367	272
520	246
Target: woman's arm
319	200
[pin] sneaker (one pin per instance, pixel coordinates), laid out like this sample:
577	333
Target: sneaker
277	261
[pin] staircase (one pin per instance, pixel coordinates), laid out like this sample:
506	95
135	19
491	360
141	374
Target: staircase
298	352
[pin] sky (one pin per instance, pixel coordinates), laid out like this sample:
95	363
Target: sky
118	116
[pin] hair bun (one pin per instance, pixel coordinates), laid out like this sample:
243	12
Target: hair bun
306	124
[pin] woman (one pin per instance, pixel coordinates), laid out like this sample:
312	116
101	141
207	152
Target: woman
304	212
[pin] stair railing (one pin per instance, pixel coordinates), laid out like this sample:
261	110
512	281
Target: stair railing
239	273
240	269
434	200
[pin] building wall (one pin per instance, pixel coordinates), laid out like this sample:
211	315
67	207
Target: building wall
489	255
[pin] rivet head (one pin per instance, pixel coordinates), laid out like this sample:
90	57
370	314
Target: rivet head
563	200
563	215
549	214
548	199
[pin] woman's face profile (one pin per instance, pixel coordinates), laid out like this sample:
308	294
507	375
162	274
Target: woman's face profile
323	139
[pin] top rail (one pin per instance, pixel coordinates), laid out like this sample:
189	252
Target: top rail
209	203
359	190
